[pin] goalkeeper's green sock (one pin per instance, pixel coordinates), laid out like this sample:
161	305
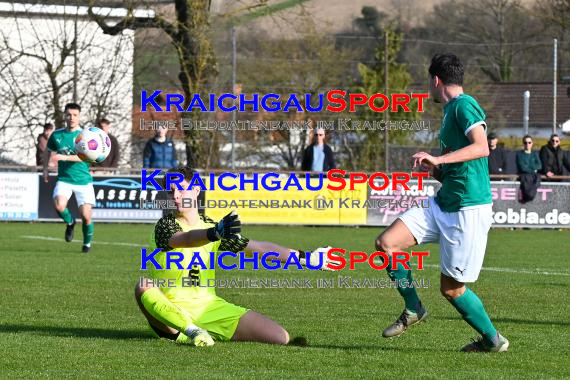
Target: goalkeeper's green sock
409	294
66	216
473	312
160	307
87	233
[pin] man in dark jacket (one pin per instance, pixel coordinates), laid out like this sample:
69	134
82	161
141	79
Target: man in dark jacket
318	157
42	153
497	156
553	158
160	152
112	160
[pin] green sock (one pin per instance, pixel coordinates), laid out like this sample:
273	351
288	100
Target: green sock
160	307
87	233
409	295
66	216
473	312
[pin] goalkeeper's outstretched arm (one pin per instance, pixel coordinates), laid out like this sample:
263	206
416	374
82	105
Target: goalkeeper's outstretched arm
266	246
284	252
228	227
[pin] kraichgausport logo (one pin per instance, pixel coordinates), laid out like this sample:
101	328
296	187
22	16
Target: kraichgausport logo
337	102
271	181
337	259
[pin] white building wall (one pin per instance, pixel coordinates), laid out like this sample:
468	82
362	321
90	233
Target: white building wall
105	64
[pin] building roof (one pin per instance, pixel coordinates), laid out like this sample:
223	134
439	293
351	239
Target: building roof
507	103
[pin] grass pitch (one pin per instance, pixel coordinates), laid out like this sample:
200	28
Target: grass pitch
67	314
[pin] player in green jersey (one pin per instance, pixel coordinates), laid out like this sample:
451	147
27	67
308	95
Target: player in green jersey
187	313
73	177
460	216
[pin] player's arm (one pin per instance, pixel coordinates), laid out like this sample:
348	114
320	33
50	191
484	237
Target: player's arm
284	253
266	246
476	149
243	244
228	227
51	148
71	157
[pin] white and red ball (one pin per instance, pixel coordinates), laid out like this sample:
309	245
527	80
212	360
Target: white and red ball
92	145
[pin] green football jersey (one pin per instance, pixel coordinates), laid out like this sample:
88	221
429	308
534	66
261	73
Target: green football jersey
62	141
464	184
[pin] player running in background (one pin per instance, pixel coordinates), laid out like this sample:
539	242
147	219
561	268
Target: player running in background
73	177
196	315
459	218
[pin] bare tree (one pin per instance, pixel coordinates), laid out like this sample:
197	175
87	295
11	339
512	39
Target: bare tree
494	33
308	64
44	61
188	29
555	11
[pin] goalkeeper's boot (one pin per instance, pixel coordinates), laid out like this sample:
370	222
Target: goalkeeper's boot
197	337
481	345
406	319
69	231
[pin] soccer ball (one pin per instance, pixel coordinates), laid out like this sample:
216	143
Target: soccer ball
92	145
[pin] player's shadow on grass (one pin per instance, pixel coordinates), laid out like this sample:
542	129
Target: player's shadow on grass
381	346
530	322
78	332
518	321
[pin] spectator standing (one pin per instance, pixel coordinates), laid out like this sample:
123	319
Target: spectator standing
160	152
497	156
318	157
41	146
552	158
528	167
112	160
527	160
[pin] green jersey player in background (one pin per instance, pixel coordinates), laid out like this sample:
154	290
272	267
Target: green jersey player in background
460	216
73	177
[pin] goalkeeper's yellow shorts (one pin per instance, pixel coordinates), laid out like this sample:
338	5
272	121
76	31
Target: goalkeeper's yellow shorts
214	314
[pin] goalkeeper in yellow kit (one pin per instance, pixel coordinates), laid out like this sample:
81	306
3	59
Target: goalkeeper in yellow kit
196	315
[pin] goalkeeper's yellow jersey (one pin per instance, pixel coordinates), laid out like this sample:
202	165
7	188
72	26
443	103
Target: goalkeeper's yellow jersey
186	280
184	288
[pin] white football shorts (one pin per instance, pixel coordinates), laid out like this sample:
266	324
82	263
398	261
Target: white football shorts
83	193
462	236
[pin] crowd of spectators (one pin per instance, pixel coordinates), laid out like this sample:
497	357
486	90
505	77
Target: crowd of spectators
551	160
159	152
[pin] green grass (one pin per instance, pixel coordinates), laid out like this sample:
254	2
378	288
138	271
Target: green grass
67	314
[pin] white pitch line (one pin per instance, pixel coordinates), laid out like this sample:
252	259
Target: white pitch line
512	270
490	269
544	272
77	241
